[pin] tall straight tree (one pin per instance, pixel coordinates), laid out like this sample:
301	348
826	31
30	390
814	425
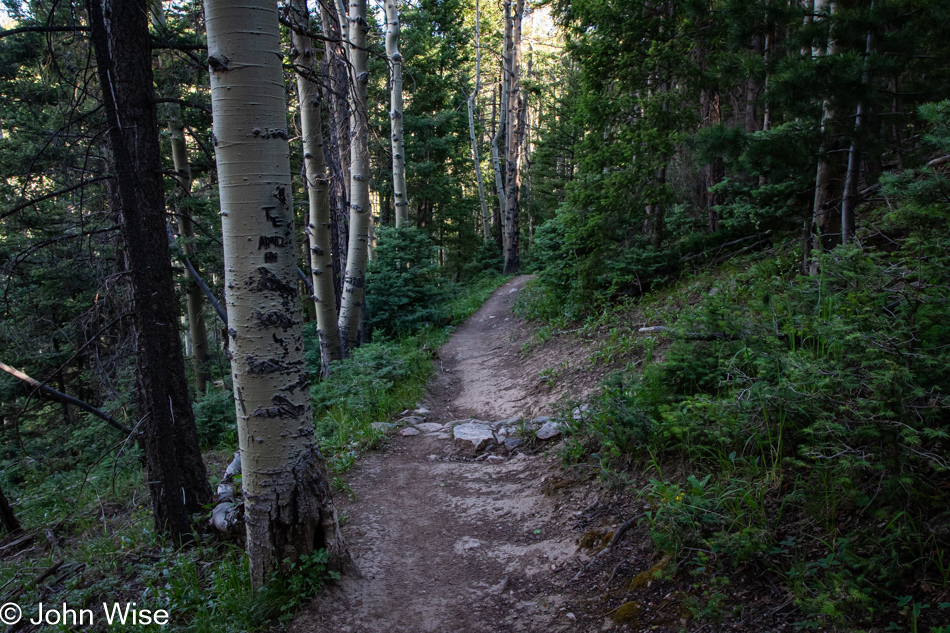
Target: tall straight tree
471	125
395	114
194	305
289	510
315	173
355	279
178	482
514	137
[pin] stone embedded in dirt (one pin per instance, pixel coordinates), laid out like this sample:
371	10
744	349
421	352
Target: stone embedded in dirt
537	423
409	420
548	431
421	412
502	433
408	431
429	427
512	443
385	427
448	426
495	459
443	436
507	422
473	436
579	412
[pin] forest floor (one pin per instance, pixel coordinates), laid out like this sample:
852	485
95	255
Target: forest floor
447	542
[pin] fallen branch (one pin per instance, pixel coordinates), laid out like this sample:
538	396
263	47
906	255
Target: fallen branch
62	397
613	542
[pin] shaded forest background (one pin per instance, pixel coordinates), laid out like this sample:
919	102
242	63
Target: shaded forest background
766	179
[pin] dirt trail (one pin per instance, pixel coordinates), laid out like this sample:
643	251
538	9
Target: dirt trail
446	543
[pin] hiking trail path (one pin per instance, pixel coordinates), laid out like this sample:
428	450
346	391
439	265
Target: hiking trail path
448	543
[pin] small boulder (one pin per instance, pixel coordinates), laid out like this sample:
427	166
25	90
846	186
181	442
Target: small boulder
540	421
429	427
512	443
421	412
579	412
409	420
473	436
548	431
408	432
385	427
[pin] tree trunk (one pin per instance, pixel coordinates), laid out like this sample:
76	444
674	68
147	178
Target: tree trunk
178	482
289	511
355	278
823	216
471	125
497	139
515	134
395	115
315	167
194	306
335	94
7	516
849	199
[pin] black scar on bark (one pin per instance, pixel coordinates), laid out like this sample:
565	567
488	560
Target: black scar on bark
283	408
265	365
274	318
269	281
303	381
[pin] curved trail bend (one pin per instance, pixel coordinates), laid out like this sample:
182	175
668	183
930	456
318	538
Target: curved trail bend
446	543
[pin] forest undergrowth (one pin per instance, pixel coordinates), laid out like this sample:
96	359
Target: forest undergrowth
88	535
792	427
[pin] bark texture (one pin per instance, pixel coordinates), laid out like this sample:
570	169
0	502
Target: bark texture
288	508
178	482
315	168
197	341
355	279
395	115
824	217
514	140
471	125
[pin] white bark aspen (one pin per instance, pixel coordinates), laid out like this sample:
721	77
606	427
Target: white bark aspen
823	208
849	199
400	196
355	279
315	167
289	511
196	342
495	142
514	139
471	125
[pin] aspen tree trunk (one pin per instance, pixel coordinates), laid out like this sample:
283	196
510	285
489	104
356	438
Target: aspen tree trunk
177	480
395	115
335	94
515	134
315	168
289	511
355	278
197	332
471	124
849	199
197	340
823	215
495	156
